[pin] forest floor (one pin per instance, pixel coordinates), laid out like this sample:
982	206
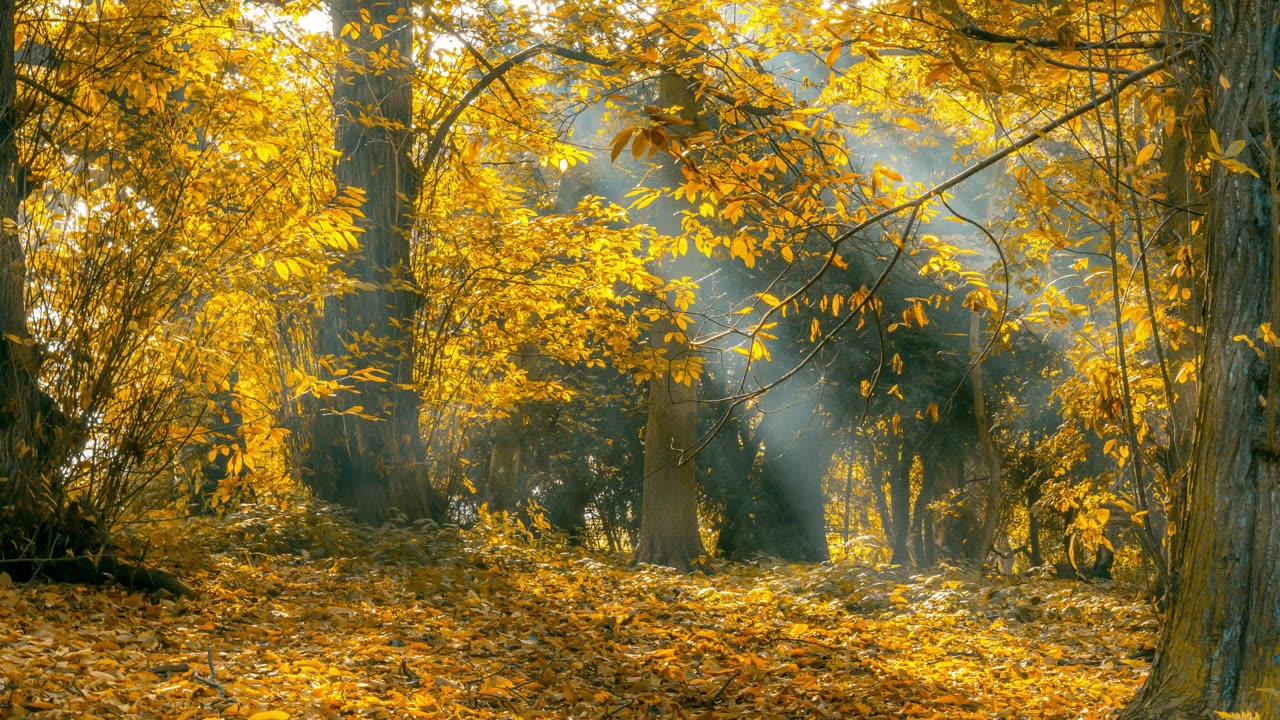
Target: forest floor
323	621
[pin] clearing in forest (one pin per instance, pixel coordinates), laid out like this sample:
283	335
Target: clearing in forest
333	622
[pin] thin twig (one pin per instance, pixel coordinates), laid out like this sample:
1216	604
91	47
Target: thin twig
716	697
614	711
210	682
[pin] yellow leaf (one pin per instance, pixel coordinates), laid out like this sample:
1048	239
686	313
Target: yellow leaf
758	350
282	269
619	143
907	123
891	174
270	715
1142	330
1145	154
833	56
638	145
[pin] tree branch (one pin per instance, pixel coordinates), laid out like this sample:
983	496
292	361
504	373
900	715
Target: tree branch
969	28
496	72
915	205
51	93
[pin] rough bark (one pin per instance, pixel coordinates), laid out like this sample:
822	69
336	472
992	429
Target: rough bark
31	500
17	359
1218	649
669	533
373	460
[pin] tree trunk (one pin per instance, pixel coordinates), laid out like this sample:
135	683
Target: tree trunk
900	505
848	503
792	485
1036	555
669	532
876	480
29	500
921	530
1218	651
991	515
366	449
504	464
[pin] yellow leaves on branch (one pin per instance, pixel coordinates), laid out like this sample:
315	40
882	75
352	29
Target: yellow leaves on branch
1228	157
1266	337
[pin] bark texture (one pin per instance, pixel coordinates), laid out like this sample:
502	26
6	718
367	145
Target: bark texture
373	460
669	533
31	500
1220	648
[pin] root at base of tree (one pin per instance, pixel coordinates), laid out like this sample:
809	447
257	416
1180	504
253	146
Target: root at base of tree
107	569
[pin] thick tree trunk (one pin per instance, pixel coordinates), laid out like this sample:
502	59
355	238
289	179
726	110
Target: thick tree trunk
29	498
504	465
1218	650
372	459
669	532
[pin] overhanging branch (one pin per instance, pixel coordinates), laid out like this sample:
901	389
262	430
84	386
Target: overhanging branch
914	206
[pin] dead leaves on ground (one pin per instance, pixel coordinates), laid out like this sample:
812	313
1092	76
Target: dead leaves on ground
490	628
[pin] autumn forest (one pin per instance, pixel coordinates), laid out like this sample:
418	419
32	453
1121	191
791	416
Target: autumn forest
600	359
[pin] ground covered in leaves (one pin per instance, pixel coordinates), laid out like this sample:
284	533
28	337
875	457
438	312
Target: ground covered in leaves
315	619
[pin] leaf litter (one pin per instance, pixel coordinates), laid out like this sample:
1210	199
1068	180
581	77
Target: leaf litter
402	623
